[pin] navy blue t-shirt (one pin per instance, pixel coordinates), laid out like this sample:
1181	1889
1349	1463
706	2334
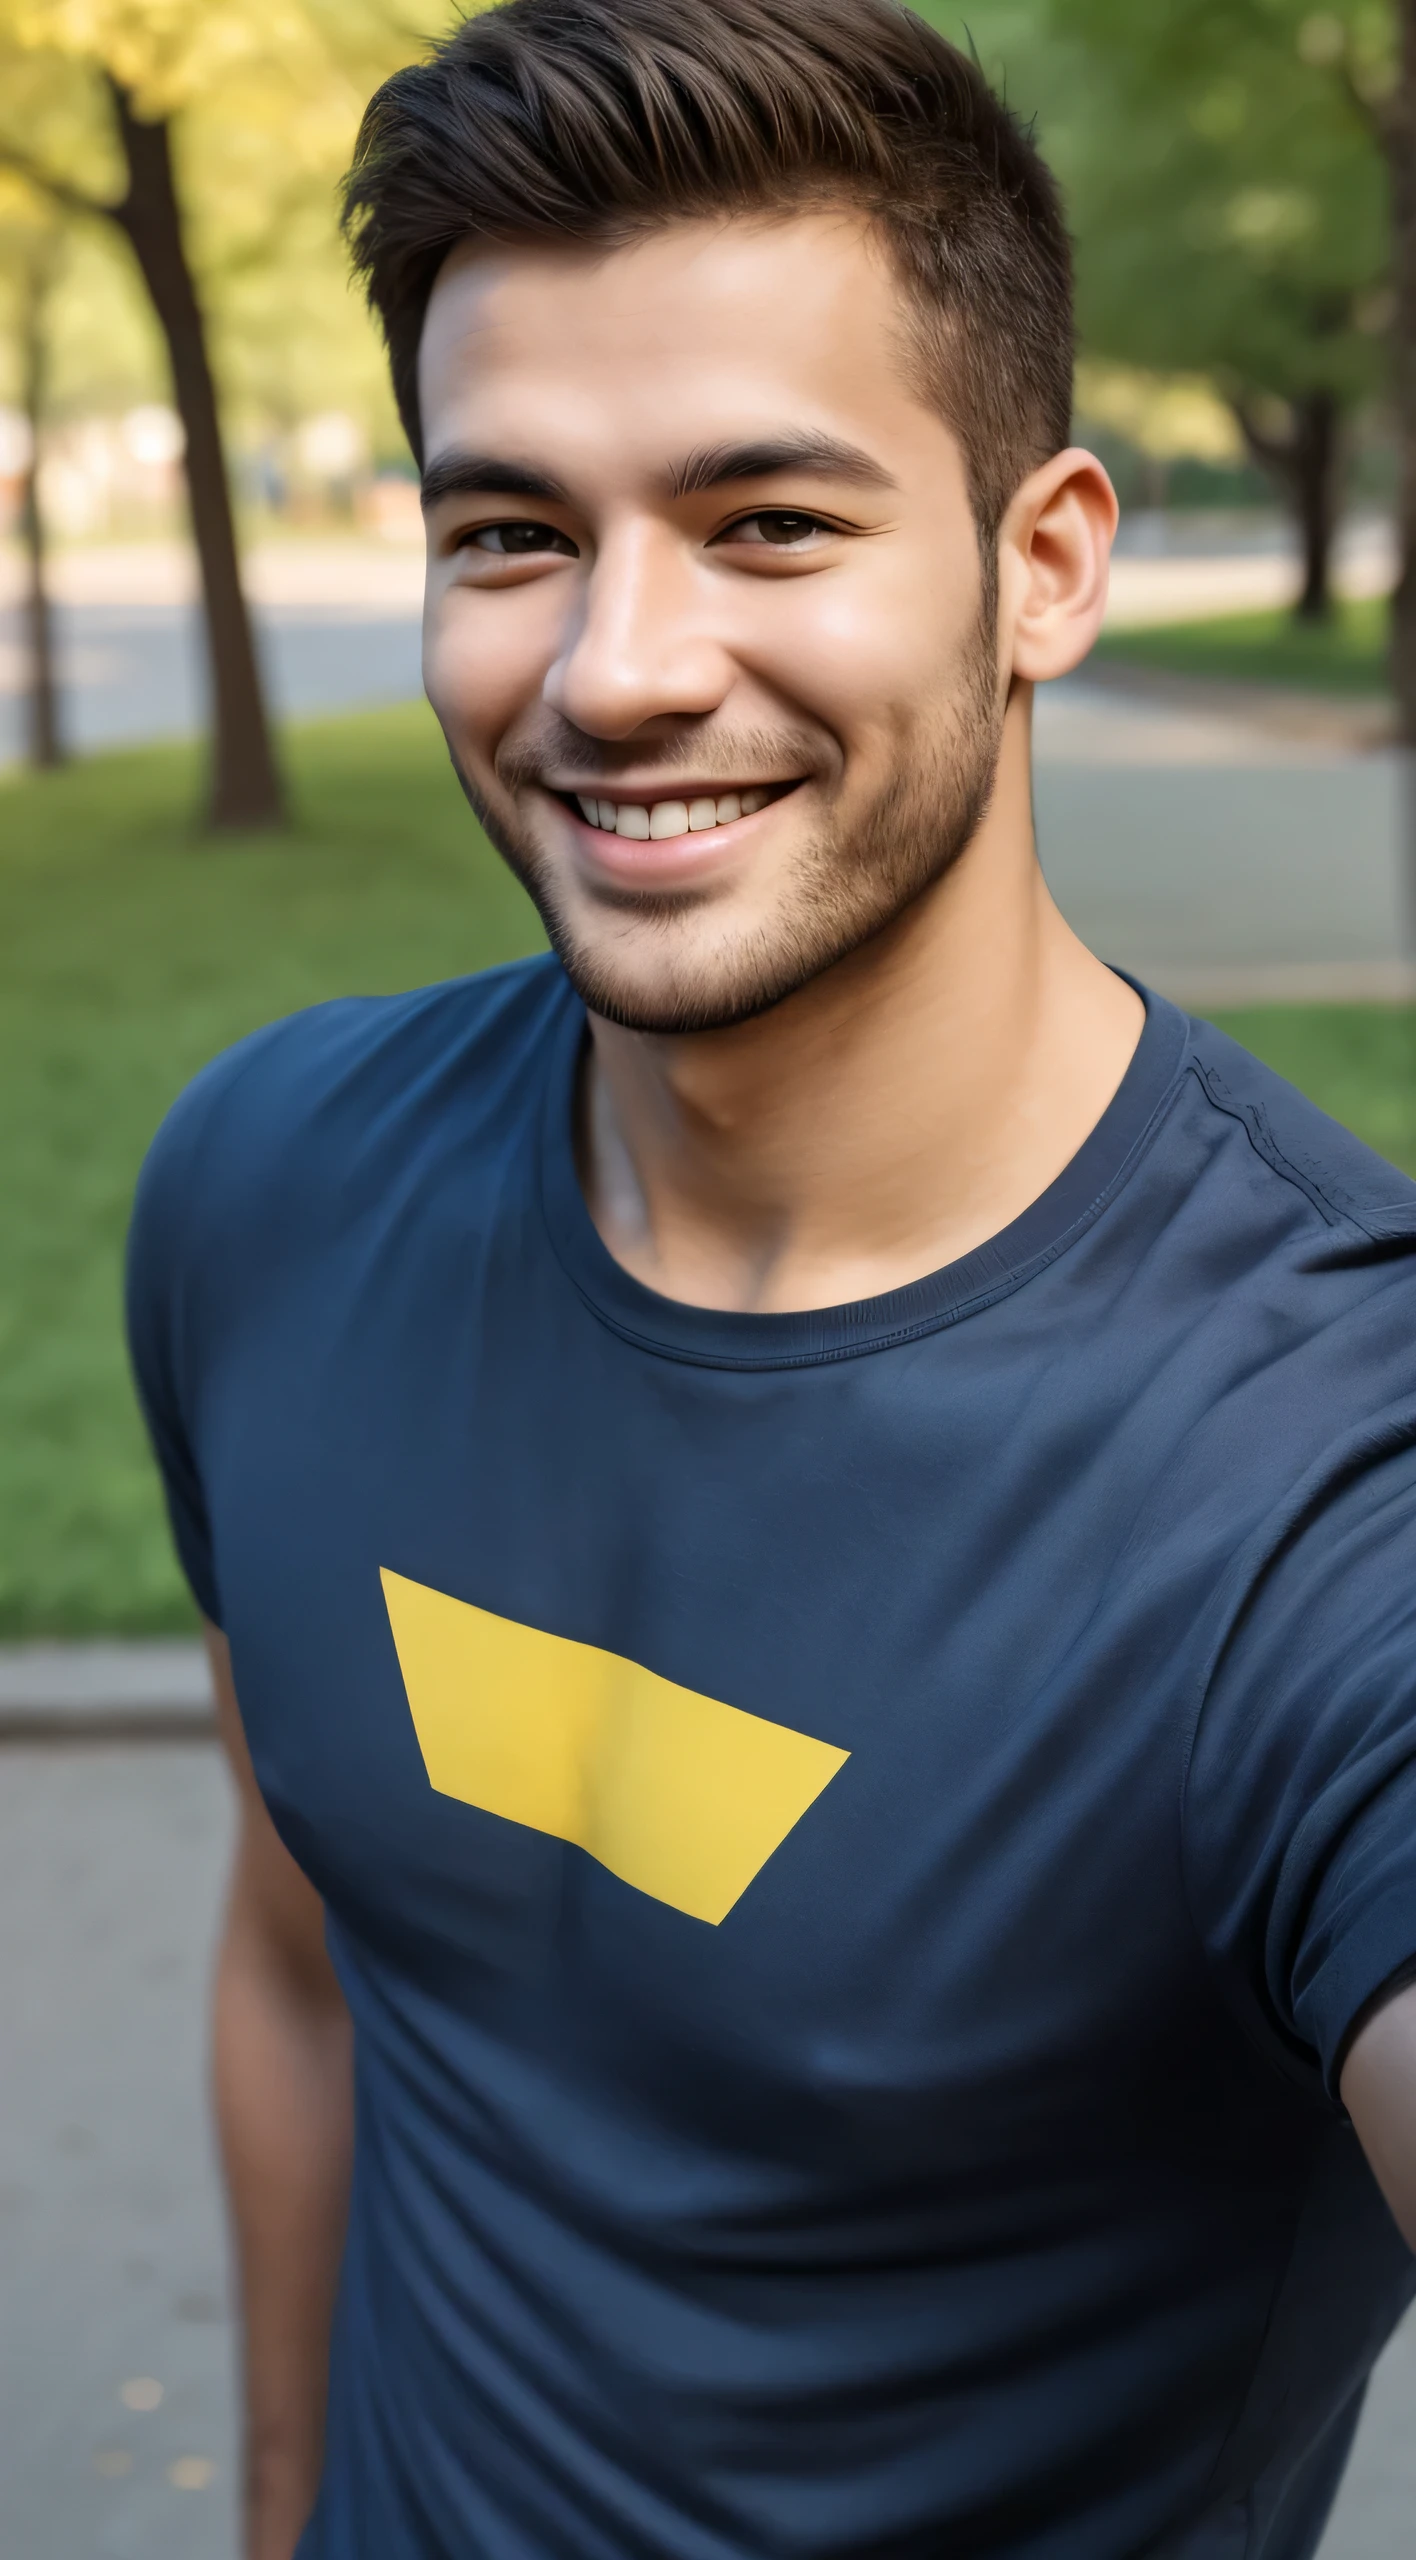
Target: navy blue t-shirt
854	1841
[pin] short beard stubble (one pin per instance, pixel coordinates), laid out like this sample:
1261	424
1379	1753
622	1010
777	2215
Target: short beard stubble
844	888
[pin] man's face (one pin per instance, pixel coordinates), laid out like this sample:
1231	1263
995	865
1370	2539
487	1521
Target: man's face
707	627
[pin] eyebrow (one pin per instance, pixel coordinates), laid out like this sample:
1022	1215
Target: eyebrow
826	457
460	474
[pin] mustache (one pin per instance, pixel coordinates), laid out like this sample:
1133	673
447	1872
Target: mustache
554	744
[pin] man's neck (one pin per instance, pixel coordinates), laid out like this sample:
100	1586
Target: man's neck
893	1115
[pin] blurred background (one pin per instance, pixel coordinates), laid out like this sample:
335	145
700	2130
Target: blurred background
221	797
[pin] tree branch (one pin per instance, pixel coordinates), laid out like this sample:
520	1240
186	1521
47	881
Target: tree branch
45	183
1270	451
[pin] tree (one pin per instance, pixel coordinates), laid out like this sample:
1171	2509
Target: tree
1229	199
1379	80
132	113
31	247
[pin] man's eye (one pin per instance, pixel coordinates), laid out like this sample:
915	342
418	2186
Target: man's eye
779	527
516	540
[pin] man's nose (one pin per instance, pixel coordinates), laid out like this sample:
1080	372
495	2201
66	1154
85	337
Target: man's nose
641	646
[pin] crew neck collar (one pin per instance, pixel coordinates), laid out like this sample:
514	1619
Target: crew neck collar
721	1338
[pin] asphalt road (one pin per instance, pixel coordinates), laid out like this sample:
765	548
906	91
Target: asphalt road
134	672
1218	862
117	2437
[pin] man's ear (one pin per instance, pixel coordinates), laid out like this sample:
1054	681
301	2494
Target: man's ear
1054	557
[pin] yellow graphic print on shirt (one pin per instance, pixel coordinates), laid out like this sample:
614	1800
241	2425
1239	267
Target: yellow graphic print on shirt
678	1794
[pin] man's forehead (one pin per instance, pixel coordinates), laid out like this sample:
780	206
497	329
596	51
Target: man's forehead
735	285
751	324
693	250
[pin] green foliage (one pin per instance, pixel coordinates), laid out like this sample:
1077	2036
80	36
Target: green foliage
130	953
265	98
1227	186
1348	655
1011	42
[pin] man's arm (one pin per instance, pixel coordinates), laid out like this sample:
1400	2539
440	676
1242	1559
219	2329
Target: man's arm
285	2112
1378	2089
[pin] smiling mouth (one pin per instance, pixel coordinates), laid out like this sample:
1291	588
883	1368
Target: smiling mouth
654	821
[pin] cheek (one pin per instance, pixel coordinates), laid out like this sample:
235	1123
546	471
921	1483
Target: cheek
485	658
870	654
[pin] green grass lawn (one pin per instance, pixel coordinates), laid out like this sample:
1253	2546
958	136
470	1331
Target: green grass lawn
131	950
1357	1060
1346	655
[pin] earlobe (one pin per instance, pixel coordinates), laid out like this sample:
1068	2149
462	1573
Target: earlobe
1060	529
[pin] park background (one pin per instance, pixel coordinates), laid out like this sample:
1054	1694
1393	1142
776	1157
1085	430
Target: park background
221	797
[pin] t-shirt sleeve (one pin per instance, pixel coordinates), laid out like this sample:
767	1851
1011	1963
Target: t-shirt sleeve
1300	1803
164	1329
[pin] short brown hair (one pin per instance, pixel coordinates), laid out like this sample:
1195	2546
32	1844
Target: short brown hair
598	120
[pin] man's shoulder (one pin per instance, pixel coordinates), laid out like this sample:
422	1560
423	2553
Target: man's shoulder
1347	1183
297	1106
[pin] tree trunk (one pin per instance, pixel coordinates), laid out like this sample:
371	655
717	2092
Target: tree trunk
1307	465
245	780
1314	484
46	743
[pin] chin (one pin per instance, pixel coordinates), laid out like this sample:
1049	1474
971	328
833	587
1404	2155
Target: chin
675	977
660	998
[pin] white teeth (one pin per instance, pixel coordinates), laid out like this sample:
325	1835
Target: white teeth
668	818
663	818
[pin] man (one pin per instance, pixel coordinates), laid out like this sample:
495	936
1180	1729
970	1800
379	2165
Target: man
811	1502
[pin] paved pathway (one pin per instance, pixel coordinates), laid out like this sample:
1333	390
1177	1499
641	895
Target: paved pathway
338	625
117	2436
1219	859
116	2430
